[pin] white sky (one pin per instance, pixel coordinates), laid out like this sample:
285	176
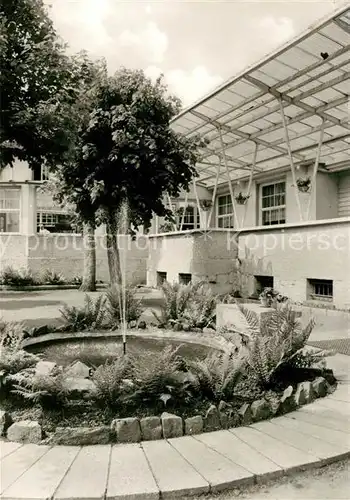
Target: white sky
196	44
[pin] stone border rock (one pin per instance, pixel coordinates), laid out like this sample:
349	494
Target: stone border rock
134	430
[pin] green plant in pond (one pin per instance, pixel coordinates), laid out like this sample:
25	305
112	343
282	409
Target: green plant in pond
91	316
157	381
217	375
113	380
51	277
192	304
49	391
13	277
133	305
274	342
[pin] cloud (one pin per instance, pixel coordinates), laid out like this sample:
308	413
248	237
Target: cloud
82	23
151	41
277	30
188	85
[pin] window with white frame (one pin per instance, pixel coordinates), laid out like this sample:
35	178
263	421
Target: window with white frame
191	219
55	222
273	204
10	210
224	212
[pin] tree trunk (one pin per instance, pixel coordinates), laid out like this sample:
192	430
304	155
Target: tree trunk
113	254
89	276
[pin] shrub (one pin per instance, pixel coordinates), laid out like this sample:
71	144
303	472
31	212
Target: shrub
18	278
77	280
275	342
157	380
47	390
193	304
11	334
90	316
15	361
133	305
218	375
51	277
109	381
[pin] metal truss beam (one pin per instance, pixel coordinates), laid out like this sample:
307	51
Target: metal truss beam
292	100
273	128
287	80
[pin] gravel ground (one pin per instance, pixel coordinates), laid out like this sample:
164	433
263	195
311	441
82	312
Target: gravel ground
330	482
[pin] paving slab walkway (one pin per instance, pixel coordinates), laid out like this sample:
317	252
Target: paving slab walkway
315	435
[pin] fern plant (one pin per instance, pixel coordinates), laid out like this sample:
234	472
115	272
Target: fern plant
217	375
11	334
275	342
91	316
49	391
193	304
13	361
156	379
133	305
51	277
13	277
109	378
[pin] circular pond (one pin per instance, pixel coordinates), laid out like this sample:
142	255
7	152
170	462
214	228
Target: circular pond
96	351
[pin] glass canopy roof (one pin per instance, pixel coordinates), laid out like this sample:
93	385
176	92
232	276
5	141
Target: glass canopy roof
279	110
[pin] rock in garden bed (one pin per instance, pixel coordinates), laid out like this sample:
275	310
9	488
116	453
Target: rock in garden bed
25	431
80	436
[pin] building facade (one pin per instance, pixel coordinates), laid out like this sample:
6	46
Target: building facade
38	234
276	173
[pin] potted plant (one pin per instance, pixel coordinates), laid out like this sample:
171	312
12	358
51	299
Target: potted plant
241	198
206	204
269	297
304	184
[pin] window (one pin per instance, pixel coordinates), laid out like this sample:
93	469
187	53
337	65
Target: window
185	278
161	278
273	204
262	282
40	173
191	218
225	212
320	289
10	203
55	222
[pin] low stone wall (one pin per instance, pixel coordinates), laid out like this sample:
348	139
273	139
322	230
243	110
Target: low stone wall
205	255
134	430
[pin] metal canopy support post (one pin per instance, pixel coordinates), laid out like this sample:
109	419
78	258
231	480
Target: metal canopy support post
215	191
290	154
172	210
314	173
184	211
229	179
197	201
255	154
